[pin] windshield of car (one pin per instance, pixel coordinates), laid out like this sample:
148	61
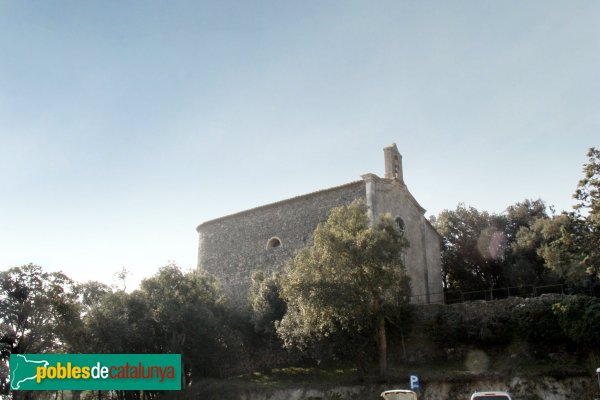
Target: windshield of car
399	396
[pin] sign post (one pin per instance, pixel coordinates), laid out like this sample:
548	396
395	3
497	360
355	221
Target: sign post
414	382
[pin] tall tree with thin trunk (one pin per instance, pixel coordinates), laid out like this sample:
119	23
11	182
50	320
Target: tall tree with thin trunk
348	283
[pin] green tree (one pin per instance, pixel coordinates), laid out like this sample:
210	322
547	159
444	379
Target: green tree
473	248
570	242
523	214
189	314
35	312
172	312
266	304
523	263
553	240
482	250
91	293
121	323
349	281
588	212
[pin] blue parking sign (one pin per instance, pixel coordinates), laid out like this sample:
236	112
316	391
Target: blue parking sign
414	382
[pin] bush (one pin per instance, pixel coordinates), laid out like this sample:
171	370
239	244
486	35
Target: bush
497	329
448	328
538	322
538	325
579	320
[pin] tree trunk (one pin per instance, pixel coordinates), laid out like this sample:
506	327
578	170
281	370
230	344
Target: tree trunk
362	365
404	356
382	346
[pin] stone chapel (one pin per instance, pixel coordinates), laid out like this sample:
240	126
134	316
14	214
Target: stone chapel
264	238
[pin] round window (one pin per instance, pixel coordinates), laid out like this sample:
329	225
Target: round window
273	242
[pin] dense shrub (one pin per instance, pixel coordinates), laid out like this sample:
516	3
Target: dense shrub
538	325
454	327
579	320
448	328
497	329
545	324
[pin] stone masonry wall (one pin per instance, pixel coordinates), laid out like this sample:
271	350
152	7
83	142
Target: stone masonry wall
423	262
434	263
233	247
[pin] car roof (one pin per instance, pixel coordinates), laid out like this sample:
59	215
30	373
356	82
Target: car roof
398	391
491	392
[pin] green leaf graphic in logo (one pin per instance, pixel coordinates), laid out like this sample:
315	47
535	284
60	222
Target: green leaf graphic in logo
24	370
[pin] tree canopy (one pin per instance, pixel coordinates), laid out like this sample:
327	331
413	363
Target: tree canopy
525	245
473	245
588	211
172	312
266	304
350	280
36	312
569	243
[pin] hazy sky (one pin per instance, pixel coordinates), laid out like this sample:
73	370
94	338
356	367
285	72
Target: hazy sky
125	124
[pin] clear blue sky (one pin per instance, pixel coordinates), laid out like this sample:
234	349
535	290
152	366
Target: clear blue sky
125	124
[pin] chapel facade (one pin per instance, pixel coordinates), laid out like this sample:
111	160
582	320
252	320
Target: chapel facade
264	238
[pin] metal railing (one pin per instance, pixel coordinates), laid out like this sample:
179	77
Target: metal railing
459	296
